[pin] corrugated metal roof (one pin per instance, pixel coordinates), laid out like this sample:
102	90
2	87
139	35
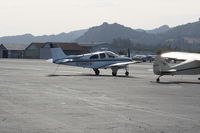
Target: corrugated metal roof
68	46
64	46
36	44
15	46
71	46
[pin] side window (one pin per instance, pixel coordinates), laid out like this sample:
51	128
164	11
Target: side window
102	56
94	56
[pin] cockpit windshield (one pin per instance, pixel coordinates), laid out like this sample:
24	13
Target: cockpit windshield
111	55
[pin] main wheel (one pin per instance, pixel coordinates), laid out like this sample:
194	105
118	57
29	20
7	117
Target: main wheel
114	74
126	73
96	72
157	80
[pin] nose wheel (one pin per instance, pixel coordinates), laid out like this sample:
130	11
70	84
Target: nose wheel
96	72
126	73
126	68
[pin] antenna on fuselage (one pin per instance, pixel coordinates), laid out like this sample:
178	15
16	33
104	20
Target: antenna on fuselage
128	52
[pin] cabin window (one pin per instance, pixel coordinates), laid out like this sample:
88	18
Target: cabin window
94	56
102	56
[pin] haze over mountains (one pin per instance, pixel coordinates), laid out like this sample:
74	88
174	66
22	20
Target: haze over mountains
105	33
29	38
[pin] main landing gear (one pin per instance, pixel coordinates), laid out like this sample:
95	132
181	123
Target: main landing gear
96	71
115	74
114	71
158	79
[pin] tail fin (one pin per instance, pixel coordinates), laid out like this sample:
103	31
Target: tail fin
57	52
160	65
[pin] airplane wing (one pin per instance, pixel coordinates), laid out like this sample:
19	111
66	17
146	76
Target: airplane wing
181	56
120	64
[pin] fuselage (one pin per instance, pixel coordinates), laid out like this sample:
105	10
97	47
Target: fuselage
93	60
187	67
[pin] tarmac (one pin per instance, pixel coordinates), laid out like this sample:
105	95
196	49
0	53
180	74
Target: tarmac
39	97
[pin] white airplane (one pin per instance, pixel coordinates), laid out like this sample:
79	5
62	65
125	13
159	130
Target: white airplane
96	60
189	65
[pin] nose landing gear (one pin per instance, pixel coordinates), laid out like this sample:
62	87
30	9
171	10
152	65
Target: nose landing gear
126	73
96	71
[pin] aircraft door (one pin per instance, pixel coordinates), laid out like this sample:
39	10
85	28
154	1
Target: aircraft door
93	59
103	60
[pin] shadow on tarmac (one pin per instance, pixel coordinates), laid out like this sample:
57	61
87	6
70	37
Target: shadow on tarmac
176	82
88	75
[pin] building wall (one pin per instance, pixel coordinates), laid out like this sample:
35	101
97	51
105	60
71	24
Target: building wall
2	48
15	53
1	53
45	53
4	53
32	54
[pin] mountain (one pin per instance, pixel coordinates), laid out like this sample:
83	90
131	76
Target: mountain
187	30
158	30
29	38
161	29
186	36
107	32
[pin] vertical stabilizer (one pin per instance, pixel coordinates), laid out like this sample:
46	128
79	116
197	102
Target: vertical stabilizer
57	52
160	65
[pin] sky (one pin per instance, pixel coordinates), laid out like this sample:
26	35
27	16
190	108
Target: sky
45	17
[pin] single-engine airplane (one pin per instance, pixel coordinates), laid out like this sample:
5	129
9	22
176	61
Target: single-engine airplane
96	60
189	64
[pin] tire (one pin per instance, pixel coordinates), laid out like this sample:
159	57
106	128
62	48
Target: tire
97	72
114	74
126	73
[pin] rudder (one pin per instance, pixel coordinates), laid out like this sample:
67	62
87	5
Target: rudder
57	52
